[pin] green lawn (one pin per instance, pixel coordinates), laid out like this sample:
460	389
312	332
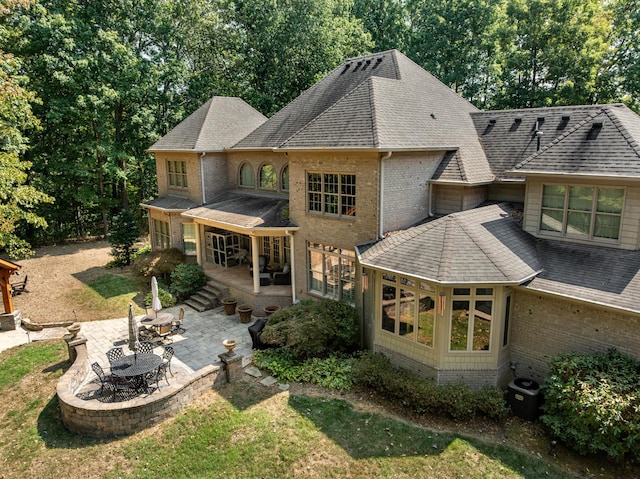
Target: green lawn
244	430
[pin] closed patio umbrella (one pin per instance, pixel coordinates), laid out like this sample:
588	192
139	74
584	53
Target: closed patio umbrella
133	331
156	305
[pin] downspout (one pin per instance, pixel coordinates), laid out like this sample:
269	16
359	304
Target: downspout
293	268
380	208
204	199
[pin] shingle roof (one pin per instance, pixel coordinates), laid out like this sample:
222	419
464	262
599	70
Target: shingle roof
484	245
603	143
216	125
234	208
605	276
382	101
171	203
508	136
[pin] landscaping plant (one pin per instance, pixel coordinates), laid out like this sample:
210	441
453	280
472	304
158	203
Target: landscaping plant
187	279
314	328
592	403
123	234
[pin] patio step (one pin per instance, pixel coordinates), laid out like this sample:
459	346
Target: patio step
207	298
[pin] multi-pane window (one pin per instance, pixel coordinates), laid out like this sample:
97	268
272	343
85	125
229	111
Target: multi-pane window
267	177
331	193
582	211
284	179
332	272
161	235
177	174
189	238
247	178
408	308
471	317
277	249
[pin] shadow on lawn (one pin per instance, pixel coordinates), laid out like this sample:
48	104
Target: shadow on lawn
371	435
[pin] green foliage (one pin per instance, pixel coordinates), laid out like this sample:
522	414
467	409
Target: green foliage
332	372
157	263
314	328
592	403
455	400
18	198
123	234
166	298
186	279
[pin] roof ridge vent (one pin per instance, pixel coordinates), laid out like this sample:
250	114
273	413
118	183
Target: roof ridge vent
378	62
346	67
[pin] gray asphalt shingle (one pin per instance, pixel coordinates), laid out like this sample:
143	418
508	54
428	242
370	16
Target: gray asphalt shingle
216	125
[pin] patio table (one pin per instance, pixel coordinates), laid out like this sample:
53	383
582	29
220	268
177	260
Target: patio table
136	366
161	319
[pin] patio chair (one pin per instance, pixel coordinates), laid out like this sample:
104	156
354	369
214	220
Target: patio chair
146	347
114	354
101	375
262	264
282	277
167	355
176	326
164	333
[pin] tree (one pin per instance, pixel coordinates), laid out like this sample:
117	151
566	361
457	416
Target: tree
17	197
551	52
123	234
455	40
288	45
387	21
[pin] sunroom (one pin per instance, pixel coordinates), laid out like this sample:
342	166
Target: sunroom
438	297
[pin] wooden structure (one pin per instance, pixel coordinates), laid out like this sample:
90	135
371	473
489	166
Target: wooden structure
7	268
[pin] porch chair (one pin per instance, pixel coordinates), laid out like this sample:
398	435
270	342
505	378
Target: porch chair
284	276
263	260
114	354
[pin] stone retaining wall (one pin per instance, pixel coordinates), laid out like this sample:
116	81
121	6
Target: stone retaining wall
97	419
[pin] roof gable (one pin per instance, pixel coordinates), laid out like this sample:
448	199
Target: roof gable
603	144
216	125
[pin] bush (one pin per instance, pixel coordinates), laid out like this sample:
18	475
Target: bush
166	298
332	372
423	396
314	328
186	279
592	403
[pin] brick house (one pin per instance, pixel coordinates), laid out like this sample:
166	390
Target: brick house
470	242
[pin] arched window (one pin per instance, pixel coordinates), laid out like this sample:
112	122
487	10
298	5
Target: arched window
284	179
268	178
246	175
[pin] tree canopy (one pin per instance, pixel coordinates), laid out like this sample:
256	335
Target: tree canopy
95	82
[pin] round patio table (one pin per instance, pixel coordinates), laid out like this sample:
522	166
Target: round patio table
161	319
136	366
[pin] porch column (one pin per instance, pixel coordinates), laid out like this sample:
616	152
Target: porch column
255	260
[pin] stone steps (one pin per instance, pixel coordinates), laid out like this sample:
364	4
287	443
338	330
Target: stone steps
207	298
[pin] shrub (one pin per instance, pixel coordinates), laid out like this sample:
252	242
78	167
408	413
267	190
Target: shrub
332	372
166	298
157	263
592	403
314	328
457	401
186	279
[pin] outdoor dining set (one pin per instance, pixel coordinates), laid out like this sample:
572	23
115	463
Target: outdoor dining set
132	374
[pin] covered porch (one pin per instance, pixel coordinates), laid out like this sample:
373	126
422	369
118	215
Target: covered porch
244	244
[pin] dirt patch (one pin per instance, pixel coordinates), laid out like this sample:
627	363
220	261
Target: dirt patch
53	274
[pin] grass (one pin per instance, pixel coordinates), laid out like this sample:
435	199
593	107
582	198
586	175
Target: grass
243	430
108	293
